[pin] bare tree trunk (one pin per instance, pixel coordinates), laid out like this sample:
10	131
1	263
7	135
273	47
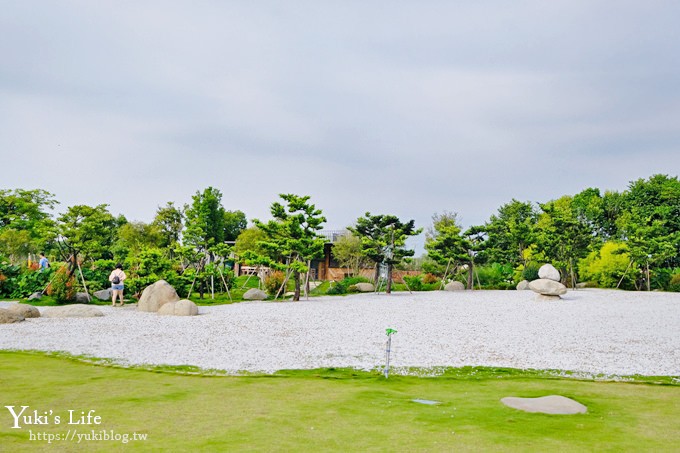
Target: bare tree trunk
296	276
470	277
388	290
376	274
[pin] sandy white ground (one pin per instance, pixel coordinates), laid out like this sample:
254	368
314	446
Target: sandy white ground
593	331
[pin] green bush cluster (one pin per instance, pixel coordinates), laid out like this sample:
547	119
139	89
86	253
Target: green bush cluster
21	281
273	282
344	285
674	284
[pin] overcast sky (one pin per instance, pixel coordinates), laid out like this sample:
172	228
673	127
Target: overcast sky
405	108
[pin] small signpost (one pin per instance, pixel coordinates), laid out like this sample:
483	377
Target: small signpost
388	348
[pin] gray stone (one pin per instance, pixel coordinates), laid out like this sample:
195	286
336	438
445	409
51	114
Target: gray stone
182	307
547	287
8	317
156	295
454	286
36	295
83	298
255	294
553	404
523	285
548	271
25	310
104	294
365	287
73	311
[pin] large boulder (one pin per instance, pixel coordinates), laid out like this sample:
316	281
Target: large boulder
365	287
254	294
548	271
83	298
25	310
73	311
156	295
454	286
547	287
8	317
182	307
523	285
104	294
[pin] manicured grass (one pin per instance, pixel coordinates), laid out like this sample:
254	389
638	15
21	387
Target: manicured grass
330	410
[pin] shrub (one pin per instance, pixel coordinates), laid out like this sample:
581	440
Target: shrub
273	282
496	276
530	272
607	265
414	283
429	279
344	285
62	287
674	284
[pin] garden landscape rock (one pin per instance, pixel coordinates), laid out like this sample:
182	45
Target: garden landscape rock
548	271
9	317
255	294
546	287
25	310
365	287
553	404
104	294
454	286
83	298
182	307
35	295
156	295
523	285
73	311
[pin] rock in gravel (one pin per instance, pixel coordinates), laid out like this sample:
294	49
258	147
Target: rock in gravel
547	287
549	272
104	294
83	298
553	404
73	311
8	317
156	295
365	287
523	285
454	286
182	307
25	310
255	294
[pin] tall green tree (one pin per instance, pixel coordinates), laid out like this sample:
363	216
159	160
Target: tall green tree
293	233
509	233
26	225
205	220
169	221
87	233
234	223
563	236
383	240
651	223
347	252
446	243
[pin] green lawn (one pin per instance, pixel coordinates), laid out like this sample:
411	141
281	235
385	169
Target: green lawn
329	410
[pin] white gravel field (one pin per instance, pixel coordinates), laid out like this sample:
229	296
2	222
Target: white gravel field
591	331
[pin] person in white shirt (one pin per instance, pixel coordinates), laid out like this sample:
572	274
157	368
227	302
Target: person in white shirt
117	278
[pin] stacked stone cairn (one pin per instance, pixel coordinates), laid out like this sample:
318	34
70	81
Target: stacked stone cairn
548	285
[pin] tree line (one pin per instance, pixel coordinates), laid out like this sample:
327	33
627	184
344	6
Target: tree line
628	239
